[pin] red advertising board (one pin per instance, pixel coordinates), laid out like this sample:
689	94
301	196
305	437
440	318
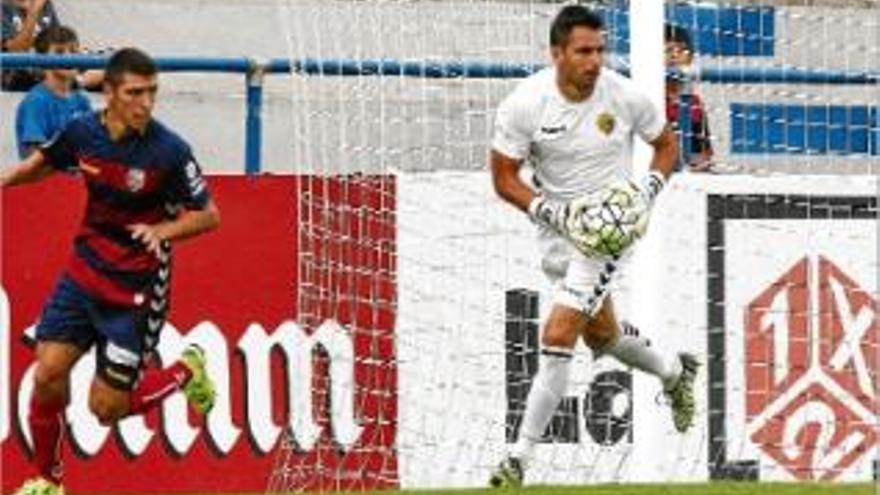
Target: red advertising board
293	299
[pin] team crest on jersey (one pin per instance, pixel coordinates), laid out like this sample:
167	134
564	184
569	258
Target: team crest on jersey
605	123
135	179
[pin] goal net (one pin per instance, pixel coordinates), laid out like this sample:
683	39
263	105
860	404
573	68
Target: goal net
424	291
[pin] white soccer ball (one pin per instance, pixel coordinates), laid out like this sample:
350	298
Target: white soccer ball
614	222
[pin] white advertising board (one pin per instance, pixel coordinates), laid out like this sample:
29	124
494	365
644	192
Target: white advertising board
461	251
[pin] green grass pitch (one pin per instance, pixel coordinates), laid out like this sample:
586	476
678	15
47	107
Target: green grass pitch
716	488
732	488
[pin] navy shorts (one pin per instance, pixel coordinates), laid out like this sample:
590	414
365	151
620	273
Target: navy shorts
72	315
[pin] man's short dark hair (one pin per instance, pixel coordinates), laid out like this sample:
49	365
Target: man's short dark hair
678	34
129	61
570	17
54	35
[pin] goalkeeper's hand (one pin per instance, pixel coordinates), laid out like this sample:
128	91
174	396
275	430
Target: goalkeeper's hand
550	213
567	219
639	198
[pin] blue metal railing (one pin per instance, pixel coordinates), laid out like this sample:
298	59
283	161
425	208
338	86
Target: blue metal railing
255	71
251	68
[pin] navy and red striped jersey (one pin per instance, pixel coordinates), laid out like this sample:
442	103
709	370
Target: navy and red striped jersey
140	178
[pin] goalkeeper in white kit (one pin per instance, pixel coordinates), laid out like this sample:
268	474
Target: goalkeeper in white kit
575	122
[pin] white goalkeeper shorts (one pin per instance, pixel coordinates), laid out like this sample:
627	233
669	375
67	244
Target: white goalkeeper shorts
579	282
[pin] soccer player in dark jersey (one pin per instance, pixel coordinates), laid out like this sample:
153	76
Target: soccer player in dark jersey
145	191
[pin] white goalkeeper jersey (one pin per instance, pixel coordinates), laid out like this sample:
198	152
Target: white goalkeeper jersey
575	148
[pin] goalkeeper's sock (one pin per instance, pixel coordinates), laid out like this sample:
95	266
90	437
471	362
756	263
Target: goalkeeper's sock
632	349
547	388
155	385
45	421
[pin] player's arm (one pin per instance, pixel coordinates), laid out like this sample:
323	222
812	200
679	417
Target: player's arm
662	164
665	153
511	140
34	168
563	217
510	187
643	192
649	123
507	182
510	146
190	223
188	188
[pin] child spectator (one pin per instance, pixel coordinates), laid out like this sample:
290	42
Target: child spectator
696	142
52	103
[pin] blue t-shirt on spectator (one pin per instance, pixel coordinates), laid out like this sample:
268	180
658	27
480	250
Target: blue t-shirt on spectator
42	114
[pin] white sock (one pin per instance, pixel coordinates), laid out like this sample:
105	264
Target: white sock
547	388
634	350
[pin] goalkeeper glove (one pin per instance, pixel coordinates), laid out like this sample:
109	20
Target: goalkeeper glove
547	212
567	219
651	186
636	199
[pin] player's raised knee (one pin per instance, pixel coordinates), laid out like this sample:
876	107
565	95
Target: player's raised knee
107	409
561	329
107	401
602	330
598	338
559	334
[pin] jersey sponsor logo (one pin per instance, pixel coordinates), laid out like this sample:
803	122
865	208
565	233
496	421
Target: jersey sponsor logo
810	353
135	179
605	123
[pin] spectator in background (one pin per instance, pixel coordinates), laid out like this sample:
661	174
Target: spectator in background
51	104
696	142
22	21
